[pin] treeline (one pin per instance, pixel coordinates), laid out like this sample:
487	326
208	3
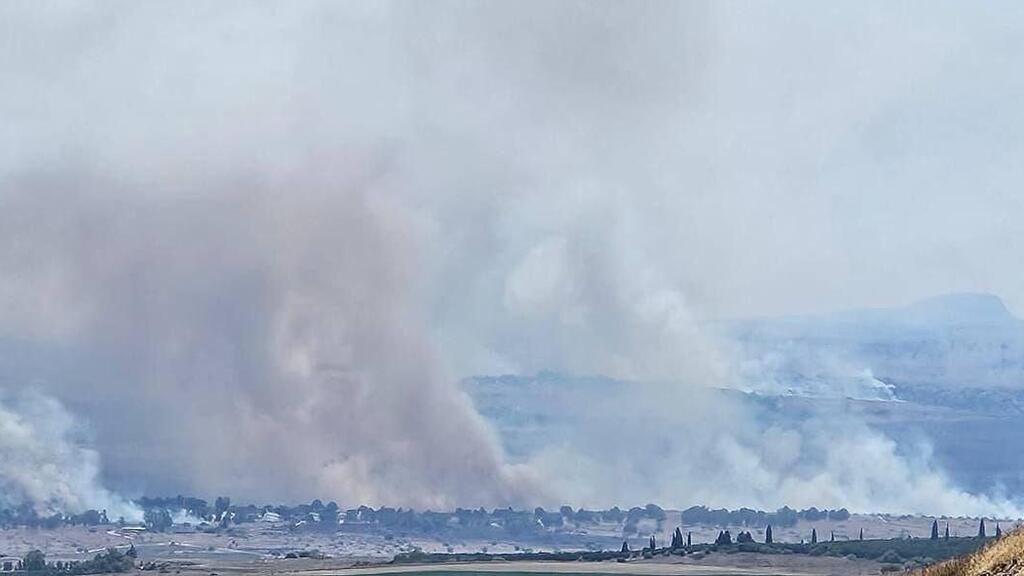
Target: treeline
329	516
159	514
221	513
109	561
27	516
784	516
511	521
896	552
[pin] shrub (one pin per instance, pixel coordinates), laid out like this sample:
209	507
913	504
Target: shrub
890	557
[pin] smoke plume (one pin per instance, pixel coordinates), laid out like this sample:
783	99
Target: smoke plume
43	464
264	243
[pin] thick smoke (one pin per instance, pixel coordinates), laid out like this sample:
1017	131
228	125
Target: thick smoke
43	464
268	241
265	343
706	447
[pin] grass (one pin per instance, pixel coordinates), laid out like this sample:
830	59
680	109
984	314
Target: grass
896	551
1004	556
897	554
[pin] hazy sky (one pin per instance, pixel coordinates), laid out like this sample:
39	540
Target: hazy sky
304	209
778	157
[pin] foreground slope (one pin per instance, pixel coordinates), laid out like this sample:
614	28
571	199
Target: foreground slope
1003	557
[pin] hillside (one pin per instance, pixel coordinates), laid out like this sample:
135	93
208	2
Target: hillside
1003	557
947	371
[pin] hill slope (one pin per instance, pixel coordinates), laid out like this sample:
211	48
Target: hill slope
1004	557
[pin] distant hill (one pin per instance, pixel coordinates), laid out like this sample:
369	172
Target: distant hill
958	341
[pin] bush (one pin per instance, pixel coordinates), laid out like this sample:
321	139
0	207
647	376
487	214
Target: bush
890	557
107	562
34	561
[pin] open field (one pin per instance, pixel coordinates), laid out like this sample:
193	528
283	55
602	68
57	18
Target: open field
270	548
269	540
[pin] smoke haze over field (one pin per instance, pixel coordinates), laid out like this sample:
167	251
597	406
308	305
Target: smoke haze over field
262	243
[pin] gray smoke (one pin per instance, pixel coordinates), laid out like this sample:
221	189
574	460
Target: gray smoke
267	241
265	343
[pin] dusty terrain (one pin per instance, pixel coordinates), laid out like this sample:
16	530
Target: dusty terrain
268	540
261	547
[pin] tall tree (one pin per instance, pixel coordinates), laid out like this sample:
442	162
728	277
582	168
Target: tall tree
157	519
999	531
947	530
768	535
220	506
861	533
935	529
35	561
814	536
981	529
689	540
625	547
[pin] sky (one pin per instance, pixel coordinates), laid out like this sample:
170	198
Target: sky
306	213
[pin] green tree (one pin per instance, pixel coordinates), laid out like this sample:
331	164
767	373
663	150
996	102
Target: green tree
935	529
768	535
34	561
981	529
220	506
814	536
157	519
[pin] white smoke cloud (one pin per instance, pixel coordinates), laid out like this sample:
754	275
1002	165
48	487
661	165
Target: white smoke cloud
44	465
275	238
687	446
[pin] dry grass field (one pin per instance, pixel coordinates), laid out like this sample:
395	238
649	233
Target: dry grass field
1003	557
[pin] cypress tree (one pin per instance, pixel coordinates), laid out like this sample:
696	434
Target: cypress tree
999	531
768	534
688	539
625	547
814	536
832	537
947	530
861	533
981	529
935	529
653	543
